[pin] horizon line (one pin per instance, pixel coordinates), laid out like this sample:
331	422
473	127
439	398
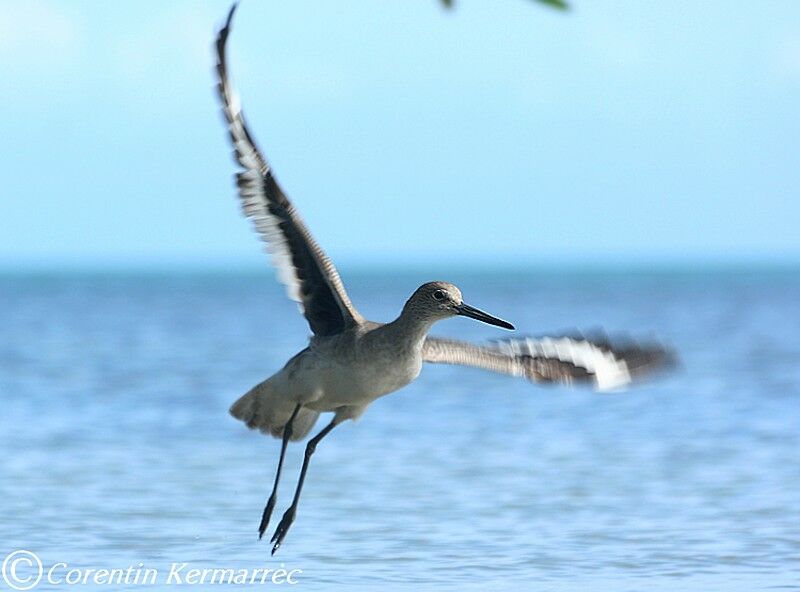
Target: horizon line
485	265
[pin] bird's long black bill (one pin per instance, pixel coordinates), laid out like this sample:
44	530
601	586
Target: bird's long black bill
473	313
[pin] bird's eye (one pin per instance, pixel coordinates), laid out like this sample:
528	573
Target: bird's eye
439	295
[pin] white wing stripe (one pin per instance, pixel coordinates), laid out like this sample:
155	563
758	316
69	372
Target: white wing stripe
608	371
309	276
254	202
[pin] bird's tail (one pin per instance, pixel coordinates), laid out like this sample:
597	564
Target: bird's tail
262	408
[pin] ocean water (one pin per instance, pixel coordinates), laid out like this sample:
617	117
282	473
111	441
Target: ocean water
118	452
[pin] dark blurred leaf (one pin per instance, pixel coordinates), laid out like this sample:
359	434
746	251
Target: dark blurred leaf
559	4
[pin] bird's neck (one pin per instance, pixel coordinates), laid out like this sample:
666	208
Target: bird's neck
410	327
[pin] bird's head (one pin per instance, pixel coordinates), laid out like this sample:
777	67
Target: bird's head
441	300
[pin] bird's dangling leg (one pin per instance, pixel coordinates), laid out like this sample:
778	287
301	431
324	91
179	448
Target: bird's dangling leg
288	516
287	435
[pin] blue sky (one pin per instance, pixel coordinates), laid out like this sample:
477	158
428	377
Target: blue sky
500	132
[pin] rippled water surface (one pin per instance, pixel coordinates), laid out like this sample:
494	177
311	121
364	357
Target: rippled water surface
117	449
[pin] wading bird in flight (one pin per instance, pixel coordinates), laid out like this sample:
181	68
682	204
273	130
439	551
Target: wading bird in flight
351	361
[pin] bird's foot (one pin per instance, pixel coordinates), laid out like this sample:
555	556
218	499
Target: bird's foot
266	516
283	528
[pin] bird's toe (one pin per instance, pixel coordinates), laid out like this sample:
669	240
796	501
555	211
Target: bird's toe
283	528
267	514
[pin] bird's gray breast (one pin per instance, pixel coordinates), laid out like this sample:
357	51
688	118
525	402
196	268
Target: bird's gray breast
364	367
390	370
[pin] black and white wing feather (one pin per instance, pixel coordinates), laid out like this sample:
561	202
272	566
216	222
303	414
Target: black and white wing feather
566	360
309	275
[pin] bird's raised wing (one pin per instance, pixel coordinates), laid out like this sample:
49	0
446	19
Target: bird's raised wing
309	276
566	360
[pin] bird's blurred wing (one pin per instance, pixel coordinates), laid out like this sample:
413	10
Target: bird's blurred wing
566	360
309	276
